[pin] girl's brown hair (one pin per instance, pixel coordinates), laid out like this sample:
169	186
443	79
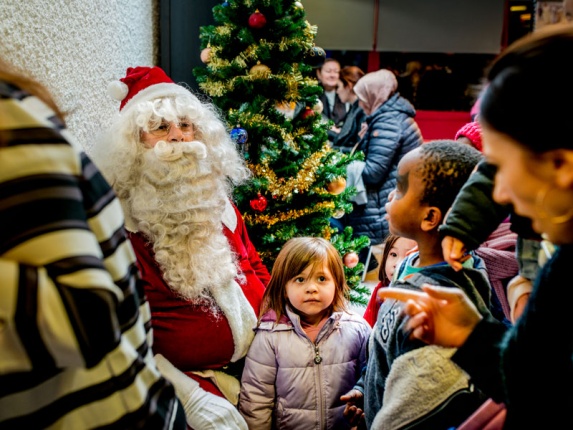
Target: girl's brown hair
295	256
388	244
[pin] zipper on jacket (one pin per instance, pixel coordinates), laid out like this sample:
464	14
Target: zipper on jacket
317	357
322	406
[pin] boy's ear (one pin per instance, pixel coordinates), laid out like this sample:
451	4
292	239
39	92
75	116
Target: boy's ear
432	218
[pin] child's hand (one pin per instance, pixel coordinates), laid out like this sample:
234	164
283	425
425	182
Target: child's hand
455	252
353	413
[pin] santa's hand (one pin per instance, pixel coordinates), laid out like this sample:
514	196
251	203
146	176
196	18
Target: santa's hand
203	410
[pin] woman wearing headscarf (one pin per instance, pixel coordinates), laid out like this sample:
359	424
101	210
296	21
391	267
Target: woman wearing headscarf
391	132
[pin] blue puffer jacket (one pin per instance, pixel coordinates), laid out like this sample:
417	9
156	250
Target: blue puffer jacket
392	132
289	382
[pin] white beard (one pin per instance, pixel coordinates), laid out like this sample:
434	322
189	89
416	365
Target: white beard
178	204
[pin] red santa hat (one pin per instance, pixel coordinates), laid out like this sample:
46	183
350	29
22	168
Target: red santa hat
472	131
143	83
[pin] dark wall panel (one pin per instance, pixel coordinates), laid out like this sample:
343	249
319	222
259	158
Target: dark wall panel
452	26
179	31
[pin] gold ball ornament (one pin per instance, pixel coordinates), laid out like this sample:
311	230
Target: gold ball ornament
206	55
337	186
260	70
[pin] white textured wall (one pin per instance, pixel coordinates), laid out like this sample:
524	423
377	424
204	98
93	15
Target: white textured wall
76	47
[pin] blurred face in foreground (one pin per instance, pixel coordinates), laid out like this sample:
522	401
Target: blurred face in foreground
537	185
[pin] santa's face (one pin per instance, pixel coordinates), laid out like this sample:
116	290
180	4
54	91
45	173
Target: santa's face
178	204
170	131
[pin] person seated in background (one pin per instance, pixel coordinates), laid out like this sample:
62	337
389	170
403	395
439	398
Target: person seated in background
346	137
75	325
173	165
333	109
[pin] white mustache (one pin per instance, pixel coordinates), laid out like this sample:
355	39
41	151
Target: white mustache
167	151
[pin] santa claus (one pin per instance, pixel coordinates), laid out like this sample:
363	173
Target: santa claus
173	165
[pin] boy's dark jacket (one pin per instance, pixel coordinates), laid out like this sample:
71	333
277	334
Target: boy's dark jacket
418	385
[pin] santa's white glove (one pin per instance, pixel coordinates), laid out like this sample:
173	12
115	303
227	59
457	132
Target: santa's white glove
203	410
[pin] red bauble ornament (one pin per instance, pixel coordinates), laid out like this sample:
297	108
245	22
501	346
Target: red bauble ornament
259	204
257	20
350	260
307	112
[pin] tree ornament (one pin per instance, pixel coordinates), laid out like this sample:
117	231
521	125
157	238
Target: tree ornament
206	55
259	204
260	70
338	214
298	5
318	107
287	109
257	20
239	135
350	260
307	112
225	4
337	186
315	57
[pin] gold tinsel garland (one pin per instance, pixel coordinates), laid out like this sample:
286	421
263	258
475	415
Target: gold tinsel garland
270	220
279	188
214	89
224	30
249	121
217	88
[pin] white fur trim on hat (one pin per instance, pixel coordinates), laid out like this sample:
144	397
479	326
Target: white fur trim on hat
117	90
155	92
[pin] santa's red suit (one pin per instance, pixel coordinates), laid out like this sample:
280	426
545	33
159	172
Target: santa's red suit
190	335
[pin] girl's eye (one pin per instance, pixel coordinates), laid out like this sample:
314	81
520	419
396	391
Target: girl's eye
322	278
299	279
393	254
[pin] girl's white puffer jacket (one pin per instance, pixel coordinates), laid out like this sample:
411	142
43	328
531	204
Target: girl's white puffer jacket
290	382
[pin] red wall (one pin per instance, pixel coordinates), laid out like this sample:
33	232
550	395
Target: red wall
440	124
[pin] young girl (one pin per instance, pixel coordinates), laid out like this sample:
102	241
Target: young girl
308	350
395	250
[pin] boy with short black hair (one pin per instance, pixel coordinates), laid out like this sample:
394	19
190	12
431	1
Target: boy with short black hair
406	382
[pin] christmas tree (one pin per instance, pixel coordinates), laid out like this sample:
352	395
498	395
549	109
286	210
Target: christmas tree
260	71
